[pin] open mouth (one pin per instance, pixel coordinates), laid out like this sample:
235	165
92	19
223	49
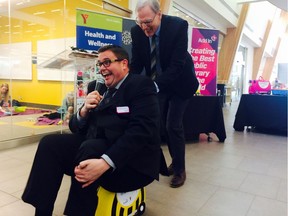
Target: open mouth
106	74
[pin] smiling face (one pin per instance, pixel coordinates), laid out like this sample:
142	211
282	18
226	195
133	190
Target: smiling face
111	68
148	20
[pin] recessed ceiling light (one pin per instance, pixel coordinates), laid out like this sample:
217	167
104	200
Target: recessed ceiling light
39	13
89	2
56	10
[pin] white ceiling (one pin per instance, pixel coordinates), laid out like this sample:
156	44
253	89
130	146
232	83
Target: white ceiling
282	4
17	4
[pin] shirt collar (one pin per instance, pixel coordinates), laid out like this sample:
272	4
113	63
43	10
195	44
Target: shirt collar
119	84
157	33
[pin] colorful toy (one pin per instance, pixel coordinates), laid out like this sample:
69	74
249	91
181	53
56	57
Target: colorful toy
19	108
259	86
120	204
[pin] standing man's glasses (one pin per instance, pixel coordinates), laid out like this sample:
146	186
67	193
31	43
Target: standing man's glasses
107	62
147	22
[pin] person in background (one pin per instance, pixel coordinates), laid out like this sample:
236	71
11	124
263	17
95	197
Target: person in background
276	83
173	73
67	109
5	97
115	142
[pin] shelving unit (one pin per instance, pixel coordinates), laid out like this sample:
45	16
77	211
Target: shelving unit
74	65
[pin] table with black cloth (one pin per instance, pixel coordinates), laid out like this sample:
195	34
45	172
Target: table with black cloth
264	112
204	115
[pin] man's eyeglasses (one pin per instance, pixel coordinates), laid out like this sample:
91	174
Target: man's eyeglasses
107	62
147	22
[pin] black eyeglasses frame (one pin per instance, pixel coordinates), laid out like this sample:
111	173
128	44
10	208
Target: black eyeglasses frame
107	62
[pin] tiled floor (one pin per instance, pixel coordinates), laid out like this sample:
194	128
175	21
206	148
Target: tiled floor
245	176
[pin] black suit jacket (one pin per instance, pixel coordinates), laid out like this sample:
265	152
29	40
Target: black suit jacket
133	135
178	74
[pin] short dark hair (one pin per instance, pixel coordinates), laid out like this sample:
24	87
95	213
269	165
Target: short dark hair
118	51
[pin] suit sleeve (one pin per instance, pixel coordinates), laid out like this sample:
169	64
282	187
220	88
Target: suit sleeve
174	50
136	65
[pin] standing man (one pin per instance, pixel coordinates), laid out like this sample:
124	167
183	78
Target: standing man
171	67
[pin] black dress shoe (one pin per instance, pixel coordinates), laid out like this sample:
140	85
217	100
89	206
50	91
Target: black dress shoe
178	180
41	212
170	170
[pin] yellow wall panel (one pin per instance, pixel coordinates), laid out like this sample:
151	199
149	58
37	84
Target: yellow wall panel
57	21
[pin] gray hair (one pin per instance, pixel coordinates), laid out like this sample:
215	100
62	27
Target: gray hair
153	4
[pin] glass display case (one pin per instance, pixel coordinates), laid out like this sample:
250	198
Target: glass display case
39	66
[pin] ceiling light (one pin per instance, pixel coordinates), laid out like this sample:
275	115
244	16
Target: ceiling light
39	13
55	10
89	2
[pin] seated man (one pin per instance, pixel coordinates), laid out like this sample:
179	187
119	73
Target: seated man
114	143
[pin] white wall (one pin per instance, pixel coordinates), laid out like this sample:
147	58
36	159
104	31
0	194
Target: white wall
132	5
248	64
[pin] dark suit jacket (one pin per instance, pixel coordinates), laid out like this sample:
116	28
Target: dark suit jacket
178	74
133	135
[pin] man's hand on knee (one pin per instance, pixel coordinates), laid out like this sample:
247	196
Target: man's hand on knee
90	170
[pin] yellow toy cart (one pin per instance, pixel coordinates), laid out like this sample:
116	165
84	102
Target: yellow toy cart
120	204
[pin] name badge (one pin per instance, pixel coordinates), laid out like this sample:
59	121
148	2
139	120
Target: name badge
123	109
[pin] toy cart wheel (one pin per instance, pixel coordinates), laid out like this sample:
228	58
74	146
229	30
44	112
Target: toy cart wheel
141	209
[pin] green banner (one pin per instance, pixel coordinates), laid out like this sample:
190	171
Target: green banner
98	21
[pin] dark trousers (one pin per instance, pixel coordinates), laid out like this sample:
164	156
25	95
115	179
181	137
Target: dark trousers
58	155
172	111
55	157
